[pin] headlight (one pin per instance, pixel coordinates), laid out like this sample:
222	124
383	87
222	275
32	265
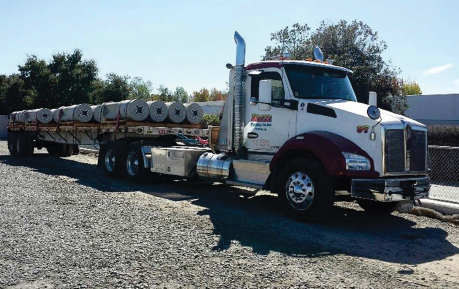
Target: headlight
356	162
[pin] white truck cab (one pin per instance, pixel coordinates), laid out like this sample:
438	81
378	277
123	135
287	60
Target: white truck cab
302	120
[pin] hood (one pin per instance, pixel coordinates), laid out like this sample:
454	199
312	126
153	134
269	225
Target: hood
361	109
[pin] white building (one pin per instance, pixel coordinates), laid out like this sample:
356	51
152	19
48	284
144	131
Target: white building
3	126
434	109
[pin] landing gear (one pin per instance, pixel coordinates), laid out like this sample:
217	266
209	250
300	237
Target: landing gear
62	150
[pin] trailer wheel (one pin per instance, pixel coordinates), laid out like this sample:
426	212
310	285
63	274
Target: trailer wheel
24	145
12	144
374	207
135	167
306	190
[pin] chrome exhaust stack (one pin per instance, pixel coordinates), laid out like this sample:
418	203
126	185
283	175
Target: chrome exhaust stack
238	124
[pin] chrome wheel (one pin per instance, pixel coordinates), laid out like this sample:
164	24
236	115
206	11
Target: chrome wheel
110	160
300	191
132	164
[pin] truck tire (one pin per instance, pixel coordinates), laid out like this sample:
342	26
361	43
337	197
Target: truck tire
112	160
374	207
24	145
12	144
135	168
306	190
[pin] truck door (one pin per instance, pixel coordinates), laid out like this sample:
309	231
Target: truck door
267	129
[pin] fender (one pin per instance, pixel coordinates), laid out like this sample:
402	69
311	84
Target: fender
328	148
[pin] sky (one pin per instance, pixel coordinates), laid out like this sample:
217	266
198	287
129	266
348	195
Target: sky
188	43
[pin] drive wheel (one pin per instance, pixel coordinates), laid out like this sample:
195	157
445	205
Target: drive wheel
12	144
110	160
374	207
306	190
135	168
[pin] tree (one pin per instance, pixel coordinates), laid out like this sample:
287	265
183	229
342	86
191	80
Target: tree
38	82
201	95
140	89
216	94
72	77
296	41
411	88
65	80
114	88
352	45
164	94
180	95
13	96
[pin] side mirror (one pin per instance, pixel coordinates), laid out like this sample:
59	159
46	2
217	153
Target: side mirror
264	95
253	101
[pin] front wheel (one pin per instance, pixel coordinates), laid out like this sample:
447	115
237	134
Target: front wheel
374	207
306	190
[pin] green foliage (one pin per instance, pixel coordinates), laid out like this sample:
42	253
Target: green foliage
69	79
65	80
180	95
210	119
13	97
352	45
411	88
205	95
164	94
140	89
216	94
201	95
115	88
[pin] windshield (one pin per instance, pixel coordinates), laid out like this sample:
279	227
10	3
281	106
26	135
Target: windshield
319	82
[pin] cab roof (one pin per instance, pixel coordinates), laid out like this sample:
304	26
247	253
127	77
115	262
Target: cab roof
281	63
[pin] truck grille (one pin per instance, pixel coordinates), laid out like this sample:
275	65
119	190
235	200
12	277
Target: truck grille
417	145
403	154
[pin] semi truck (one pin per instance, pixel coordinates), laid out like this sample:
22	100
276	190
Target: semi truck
291	127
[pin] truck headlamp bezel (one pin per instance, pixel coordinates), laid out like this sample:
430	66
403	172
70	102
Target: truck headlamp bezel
355	162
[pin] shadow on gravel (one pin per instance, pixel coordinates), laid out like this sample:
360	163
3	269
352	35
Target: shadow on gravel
258	222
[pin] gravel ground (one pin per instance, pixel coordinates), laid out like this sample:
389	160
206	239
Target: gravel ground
64	224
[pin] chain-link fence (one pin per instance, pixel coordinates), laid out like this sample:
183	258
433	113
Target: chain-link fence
444	173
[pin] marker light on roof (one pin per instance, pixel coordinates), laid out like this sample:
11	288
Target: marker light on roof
318	54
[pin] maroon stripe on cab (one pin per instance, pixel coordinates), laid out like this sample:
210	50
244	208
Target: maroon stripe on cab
328	148
260	65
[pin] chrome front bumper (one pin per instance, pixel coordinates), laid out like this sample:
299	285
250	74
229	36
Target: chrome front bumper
391	190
